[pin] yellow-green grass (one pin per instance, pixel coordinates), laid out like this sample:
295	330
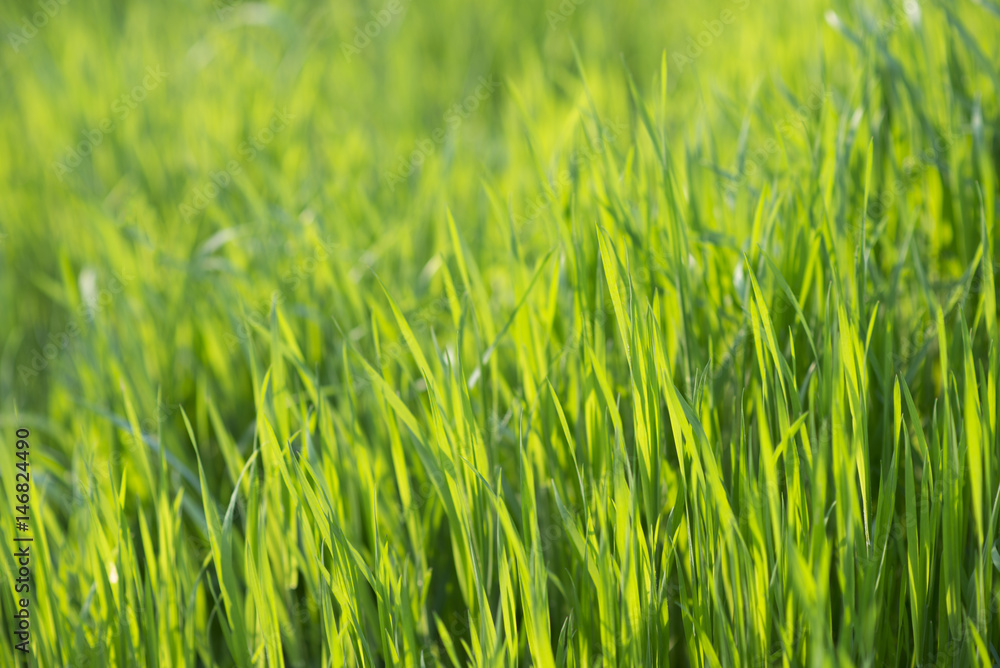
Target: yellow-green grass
674	344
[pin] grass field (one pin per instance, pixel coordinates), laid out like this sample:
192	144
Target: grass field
499	333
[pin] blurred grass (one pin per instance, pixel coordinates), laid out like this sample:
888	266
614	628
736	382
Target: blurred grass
646	362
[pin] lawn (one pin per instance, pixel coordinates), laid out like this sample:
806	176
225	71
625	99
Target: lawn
499	333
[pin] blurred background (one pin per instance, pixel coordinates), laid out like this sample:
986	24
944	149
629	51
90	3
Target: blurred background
117	116
172	174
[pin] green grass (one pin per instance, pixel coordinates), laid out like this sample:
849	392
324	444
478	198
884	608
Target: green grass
647	356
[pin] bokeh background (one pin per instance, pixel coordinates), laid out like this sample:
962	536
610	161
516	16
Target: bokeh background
185	183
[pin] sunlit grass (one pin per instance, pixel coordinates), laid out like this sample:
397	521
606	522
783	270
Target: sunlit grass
642	355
